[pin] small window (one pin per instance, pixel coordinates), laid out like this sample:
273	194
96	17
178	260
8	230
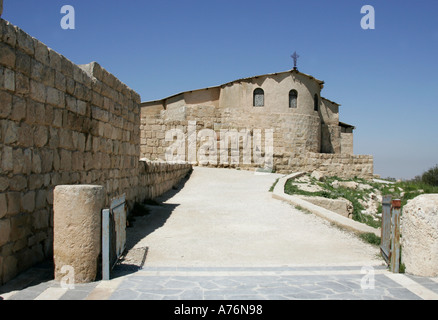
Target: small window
259	98
316	103
293	97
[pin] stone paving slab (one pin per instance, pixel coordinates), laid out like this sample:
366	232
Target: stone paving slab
235	283
261	284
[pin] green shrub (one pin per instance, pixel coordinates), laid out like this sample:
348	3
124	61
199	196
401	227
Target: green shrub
370	238
430	177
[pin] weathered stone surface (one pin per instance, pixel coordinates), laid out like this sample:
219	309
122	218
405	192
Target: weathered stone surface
28	201
14	200
7	55
37	91
3	205
77	229
22	84
7	159
25	42
9	268
419	230
340	206
345	184
9	79
5	227
6	103
317	175
18	109
61	125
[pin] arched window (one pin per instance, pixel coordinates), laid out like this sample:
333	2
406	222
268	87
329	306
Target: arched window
258	98
293	98
316	103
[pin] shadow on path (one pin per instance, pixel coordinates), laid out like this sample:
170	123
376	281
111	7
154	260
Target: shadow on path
133	258
39	276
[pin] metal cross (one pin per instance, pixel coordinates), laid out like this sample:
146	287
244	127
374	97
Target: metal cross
295	56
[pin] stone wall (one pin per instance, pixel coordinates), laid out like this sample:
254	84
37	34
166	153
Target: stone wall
340	165
157	177
347	142
153	145
61	124
286	137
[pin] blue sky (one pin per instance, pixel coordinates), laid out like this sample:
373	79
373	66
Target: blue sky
385	79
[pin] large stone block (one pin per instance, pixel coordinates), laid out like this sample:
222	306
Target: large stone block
25	135
14	201
7	159
41	52
419	230
25	42
77	230
41	136
9	79
18	108
7	55
6	103
20	227
23	63
3	205
55	97
37	91
5	227
9	268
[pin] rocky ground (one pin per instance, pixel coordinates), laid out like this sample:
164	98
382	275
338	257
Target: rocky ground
361	197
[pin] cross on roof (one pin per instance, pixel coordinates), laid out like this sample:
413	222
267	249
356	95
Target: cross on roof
295	56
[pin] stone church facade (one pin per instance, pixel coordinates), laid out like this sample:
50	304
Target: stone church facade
306	132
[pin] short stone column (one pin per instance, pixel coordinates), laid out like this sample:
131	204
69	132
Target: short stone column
419	231
77	228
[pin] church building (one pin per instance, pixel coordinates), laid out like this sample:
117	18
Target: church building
305	125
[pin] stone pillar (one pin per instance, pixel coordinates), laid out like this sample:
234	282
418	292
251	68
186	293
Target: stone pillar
419	231
1	7
77	231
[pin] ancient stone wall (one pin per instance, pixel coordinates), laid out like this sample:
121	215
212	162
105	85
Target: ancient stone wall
61	124
156	177
295	142
340	165
347	142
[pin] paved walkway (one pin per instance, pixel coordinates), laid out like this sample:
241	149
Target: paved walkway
221	236
228	283
227	218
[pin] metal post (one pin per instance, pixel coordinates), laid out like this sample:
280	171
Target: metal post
395	239
385	242
106	244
